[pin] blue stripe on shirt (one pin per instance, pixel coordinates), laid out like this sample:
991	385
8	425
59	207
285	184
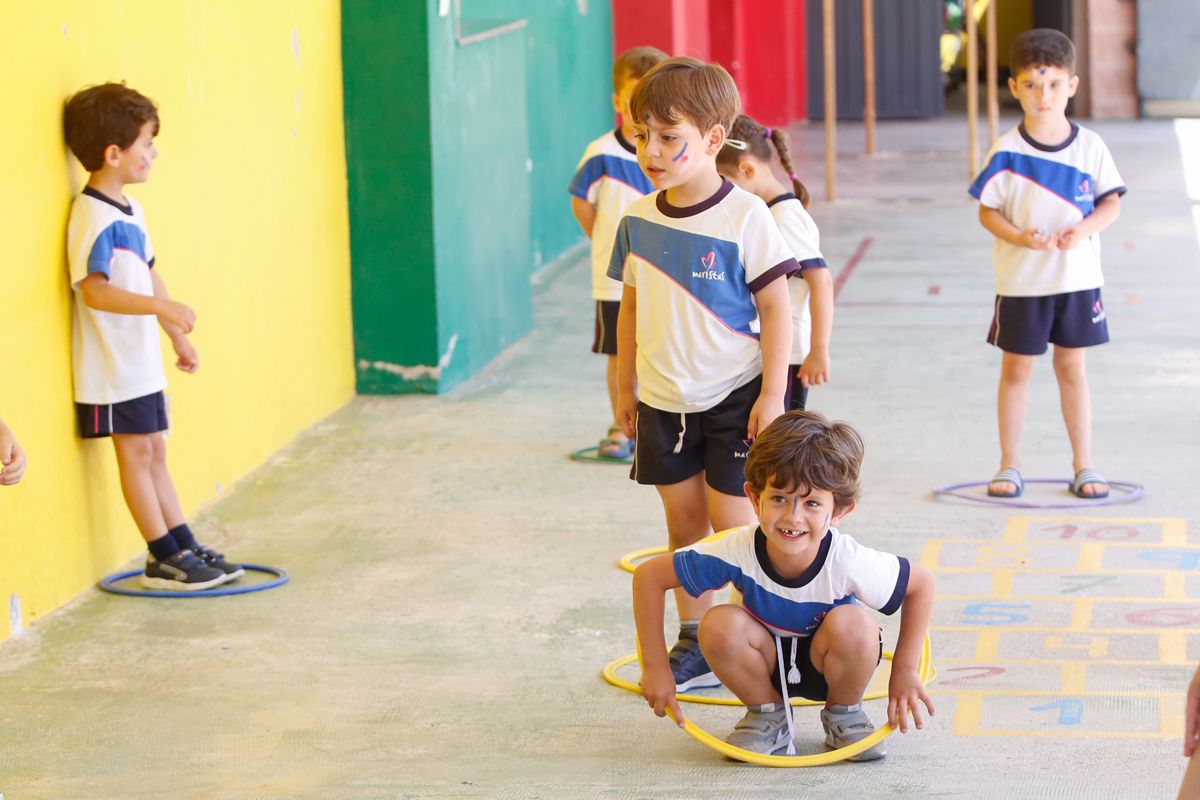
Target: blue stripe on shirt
117	236
621	169
1071	184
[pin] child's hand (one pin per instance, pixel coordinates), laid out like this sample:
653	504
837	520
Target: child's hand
658	687
178	314
904	690
12	458
764	412
189	359
1192	709
627	403
815	369
1036	239
1069	238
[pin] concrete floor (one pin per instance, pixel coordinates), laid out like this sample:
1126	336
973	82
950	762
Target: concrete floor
454	591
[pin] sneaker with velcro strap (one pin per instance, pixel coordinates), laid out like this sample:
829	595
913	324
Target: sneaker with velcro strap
689	667
845	725
764	731
183	572
217	560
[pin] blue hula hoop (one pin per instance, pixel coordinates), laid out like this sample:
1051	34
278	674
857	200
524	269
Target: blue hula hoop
109	584
1119	492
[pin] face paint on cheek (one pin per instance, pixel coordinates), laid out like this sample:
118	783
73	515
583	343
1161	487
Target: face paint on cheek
681	154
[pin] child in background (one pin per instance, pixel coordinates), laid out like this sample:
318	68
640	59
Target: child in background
1048	188
607	180
804	585
811	290
119	378
704	326
1189	789
12	457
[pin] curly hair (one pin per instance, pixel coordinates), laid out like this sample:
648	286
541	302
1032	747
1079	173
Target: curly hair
1042	47
804	449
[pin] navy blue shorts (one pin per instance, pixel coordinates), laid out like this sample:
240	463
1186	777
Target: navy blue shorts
1025	325
140	415
713	442
812	684
605	338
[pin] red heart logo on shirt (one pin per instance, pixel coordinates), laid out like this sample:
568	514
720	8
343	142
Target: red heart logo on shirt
709	260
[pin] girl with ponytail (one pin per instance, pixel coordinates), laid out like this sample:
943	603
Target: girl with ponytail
746	161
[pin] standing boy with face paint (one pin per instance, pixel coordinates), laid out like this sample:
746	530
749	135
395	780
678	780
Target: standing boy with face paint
1048	189
705	325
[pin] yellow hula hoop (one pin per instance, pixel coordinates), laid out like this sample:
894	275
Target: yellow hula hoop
626	561
924	670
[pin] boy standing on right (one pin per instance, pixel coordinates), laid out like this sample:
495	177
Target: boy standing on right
1048	189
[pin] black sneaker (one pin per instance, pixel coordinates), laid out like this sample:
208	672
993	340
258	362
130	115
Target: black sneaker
217	561
183	572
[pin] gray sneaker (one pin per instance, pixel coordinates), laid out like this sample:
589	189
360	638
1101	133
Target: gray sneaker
689	668
763	731
847	725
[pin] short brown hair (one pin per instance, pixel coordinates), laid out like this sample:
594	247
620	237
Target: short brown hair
686	88
634	63
804	449
1042	47
111	113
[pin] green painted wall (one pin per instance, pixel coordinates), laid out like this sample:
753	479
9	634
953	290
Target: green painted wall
390	182
568	100
459	156
481	203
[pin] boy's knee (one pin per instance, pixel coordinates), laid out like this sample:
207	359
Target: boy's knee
850	628
134	447
723	628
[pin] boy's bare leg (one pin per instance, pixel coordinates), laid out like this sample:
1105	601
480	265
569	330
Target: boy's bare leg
845	649
135	456
687	523
164	487
1011	400
741	652
611	378
1076	400
728	510
1190	788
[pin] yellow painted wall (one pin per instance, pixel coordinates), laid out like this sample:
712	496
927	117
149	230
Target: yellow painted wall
246	206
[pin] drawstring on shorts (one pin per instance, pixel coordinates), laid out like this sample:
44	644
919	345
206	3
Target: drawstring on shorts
787	705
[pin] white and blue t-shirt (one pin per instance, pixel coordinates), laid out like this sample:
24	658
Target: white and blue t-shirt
843	571
610	179
117	357
696	270
1048	187
801	234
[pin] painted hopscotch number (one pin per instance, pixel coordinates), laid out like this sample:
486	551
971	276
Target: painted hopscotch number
1105	533
995	613
1172	617
978	674
1070	710
1084	582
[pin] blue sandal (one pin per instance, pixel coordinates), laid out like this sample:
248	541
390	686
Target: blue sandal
1087	477
1007	475
616	449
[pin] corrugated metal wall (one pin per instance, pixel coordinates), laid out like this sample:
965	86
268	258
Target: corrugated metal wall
907	76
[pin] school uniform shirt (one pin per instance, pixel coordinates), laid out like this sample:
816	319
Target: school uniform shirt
695	271
117	357
608	177
843	571
800	232
1049	188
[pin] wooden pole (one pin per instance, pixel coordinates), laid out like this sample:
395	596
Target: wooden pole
972	89
868	14
830	99
993	102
